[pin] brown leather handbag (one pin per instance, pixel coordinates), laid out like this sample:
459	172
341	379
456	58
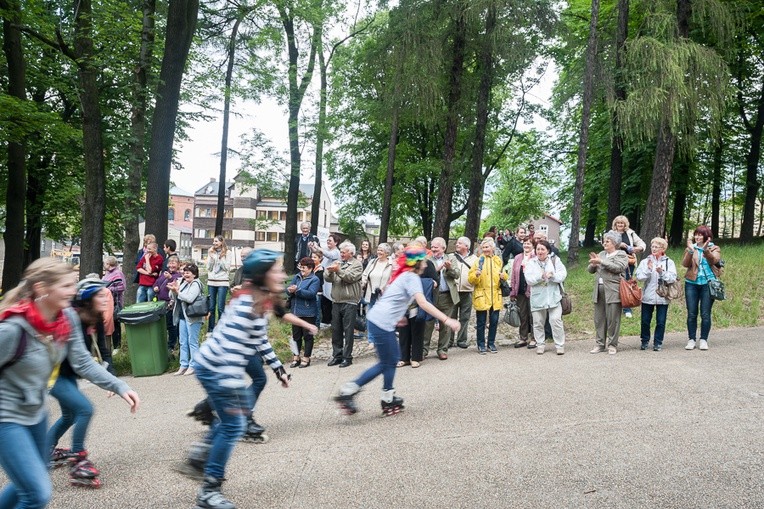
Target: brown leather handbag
631	293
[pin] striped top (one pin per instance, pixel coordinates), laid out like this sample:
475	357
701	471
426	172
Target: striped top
239	335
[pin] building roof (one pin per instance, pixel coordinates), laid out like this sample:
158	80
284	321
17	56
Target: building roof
211	188
176	191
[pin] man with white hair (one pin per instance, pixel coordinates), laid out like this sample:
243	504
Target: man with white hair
446	294
345	276
463	308
305	242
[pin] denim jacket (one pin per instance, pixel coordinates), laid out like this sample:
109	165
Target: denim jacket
304	298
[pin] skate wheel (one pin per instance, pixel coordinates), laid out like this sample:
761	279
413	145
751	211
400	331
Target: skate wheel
94	483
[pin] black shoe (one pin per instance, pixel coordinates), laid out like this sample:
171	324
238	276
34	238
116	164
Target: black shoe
345	363
462	345
334	361
520	344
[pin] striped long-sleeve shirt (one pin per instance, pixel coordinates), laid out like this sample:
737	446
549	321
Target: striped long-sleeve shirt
239	335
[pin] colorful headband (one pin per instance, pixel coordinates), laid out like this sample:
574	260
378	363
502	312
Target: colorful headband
414	255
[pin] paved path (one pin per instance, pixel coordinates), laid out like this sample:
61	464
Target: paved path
674	429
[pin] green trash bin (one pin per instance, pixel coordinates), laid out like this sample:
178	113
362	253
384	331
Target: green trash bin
146	331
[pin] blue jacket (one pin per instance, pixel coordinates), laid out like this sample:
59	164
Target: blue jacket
304	302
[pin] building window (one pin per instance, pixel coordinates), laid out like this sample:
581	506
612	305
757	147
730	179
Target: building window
273	236
543	228
262	214
282	216
187	215
260	236
281	237
171	214
273	215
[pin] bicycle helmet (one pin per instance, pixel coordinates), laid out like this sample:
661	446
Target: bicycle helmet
87	288
258	263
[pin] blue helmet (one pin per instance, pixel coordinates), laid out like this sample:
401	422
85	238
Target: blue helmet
87	288
258	263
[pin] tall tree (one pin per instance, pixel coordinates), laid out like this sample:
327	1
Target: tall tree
181	23
137	151
16	187
583	140
619	86
297	88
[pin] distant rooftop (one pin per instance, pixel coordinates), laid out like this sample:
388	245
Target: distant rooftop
176	191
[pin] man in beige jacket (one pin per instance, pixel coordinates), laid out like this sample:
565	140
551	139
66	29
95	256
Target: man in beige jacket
445	294
345	276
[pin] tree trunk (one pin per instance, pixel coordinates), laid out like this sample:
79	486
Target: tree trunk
681	182
477	181
137	155
15	192
752	182
616	150
296	95
37	186
387	195
318	177
716	187
226	115
583	140
442	225
654	219
181	23
91	253
591	223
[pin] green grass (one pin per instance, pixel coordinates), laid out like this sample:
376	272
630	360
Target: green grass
743	281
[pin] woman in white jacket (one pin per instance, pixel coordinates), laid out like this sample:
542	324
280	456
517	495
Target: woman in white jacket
656	267
545	275
218	279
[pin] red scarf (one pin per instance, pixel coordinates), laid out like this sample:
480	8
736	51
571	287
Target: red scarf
59	328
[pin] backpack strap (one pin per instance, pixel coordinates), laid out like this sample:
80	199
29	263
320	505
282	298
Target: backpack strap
20	348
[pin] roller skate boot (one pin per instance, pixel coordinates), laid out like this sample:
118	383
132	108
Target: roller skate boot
60	457
82	472
210	497
254	433
346	398
202	412
193	466
391	404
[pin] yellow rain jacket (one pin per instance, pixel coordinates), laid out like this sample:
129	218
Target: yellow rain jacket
487	294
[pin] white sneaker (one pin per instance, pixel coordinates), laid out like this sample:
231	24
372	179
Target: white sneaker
598	349
691	345
628	313
703	345
611	350
540	349
560	350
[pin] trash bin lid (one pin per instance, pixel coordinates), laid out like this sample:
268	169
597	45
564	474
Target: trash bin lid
143	312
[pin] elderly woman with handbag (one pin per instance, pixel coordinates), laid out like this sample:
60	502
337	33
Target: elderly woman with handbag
632	245
655	270
521	293
545	275
607	267
702	260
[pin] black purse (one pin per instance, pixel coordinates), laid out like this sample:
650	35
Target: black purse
200	306
505	288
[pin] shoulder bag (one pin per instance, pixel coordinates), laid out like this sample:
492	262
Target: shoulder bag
512	314
669	291
565	303
631	293
200	306
716	288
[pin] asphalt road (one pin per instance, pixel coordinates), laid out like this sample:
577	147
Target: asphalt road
640	429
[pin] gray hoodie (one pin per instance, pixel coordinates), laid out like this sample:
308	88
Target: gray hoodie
24	385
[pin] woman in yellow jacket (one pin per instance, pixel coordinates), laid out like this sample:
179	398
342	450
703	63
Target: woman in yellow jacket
486	298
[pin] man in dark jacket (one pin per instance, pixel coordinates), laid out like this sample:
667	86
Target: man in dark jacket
304	243
515	245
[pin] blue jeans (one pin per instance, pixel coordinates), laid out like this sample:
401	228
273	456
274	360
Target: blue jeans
189	342
493	323
145	294
232	406
388	352
216	301
257	374
76	410
24	457
660	323
695	295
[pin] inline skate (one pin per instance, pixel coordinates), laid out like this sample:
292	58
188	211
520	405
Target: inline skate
254	433
346	398
202	412
60	457
82	472
193	466
391	404
209	496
